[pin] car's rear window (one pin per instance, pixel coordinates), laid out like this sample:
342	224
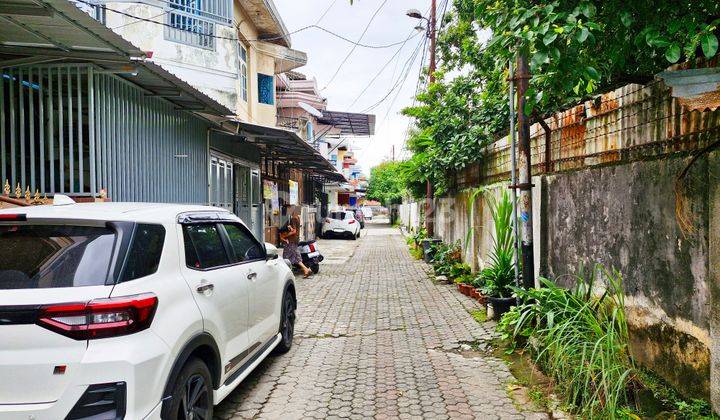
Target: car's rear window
47	256
337	215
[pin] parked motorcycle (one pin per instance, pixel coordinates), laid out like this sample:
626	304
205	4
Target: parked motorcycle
311	256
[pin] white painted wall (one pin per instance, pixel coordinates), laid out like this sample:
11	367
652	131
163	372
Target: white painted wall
213	72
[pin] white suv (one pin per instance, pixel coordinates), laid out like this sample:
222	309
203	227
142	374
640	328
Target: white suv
126	310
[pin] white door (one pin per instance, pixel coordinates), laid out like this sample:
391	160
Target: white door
262	281
221	293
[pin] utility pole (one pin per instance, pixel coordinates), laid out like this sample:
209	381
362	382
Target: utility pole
432	24
525	168
429	213
513	174
393	153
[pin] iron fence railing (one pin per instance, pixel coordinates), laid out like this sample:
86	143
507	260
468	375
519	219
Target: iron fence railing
629	123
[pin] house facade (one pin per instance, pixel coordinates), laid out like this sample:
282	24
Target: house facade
146	101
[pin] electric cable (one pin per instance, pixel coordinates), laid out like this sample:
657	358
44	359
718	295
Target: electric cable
302	29
352	50
408	64
382	69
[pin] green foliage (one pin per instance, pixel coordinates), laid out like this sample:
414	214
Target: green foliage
695	409
579	339
386	183
447	261
419	236
497	279
575	48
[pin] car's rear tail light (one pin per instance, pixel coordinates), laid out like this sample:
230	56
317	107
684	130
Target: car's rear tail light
13	218
100	318
352	221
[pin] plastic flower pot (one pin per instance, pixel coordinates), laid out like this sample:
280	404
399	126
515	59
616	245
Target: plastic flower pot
500	305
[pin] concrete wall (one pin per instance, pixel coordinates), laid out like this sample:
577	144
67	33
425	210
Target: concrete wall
258	62
607	195
624	217
213	72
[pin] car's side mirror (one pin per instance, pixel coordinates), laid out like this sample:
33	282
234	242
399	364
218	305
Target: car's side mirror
271	251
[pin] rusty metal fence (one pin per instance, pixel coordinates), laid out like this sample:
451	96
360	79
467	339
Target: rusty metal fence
630	123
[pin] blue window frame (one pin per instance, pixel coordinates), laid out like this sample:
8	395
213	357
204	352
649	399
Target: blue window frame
266	89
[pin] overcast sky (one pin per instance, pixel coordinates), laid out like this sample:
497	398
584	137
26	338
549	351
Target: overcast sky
326	53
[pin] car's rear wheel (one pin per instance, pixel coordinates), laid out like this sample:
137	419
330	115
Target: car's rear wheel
192	396
287	324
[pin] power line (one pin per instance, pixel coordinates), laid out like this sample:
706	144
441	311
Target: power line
408	64
304	28
404	78
325	12
417	86
372	18
382	69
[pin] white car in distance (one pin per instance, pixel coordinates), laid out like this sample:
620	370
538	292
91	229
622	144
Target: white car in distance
135	311
341	224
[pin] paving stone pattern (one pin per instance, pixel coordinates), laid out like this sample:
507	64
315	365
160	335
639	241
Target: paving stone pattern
376	338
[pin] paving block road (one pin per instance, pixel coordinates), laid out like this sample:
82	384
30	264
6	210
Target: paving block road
377	338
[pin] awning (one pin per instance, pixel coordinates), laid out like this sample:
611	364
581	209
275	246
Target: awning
35	31
350	124
287	147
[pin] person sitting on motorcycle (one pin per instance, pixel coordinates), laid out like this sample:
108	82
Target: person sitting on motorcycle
290	235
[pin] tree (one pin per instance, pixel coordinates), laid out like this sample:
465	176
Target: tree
576	49
386	183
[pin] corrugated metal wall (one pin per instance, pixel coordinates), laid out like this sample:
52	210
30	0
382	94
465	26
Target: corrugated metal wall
71	129
148	150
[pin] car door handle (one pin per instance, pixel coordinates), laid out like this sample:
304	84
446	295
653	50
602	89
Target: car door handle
252	275
205	287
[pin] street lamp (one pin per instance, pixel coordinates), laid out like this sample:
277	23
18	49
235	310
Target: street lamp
414	13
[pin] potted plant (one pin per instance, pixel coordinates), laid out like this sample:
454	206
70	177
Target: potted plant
498	277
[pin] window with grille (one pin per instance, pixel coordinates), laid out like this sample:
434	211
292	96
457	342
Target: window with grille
242	68
193	22
266	89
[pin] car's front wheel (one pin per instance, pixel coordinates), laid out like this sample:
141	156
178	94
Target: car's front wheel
287	324
192	397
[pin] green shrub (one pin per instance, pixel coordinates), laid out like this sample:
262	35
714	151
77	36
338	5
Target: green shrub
499	277
459	269
445	259
579	339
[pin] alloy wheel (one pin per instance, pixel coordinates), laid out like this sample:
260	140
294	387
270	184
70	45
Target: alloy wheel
289	321
194	404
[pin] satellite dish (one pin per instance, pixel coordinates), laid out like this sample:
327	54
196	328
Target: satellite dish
312	111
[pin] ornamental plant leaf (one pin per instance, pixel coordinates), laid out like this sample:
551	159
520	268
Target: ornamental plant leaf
709	43
626	19
672	54
582	35
550	37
